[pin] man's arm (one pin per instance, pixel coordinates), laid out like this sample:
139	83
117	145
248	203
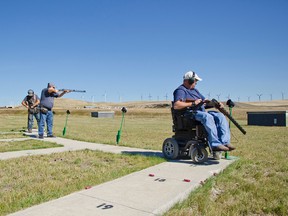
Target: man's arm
54	90
63	92
25	104
37	102
185	104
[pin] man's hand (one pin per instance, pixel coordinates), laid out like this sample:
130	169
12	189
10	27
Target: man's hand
221	105
198	101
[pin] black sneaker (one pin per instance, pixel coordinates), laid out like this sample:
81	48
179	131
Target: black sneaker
231	148
51	136
41	137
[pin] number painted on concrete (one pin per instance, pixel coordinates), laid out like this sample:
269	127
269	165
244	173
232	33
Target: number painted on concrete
105	206
160	180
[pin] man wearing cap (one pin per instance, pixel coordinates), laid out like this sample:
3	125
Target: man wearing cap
215	123
31	102
46	104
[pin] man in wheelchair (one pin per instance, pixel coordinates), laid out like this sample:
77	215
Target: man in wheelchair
188	99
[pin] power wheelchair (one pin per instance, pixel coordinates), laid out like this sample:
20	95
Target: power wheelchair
190	139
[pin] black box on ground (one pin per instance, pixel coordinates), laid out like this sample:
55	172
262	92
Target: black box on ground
267	118
103	114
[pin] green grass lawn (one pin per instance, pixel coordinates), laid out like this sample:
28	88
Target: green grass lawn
6	146
28	181
256	184
104	130
11	135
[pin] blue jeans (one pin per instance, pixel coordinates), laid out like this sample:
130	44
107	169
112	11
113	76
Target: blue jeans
31	120
216	126
48	119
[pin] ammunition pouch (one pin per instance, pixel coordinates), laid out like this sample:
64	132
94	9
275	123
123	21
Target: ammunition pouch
44	110
33	110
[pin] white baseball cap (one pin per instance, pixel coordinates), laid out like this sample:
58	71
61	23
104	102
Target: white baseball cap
191	74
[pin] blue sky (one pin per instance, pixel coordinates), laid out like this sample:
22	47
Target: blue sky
130	49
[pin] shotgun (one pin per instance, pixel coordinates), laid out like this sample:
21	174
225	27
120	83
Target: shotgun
222	110
216	104
73	90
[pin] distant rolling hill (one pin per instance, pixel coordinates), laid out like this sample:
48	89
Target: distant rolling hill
66	103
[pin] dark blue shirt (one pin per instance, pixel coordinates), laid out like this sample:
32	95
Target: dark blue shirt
47	99
31	99
182	93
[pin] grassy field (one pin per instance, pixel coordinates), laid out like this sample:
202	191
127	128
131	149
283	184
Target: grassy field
256	184
6	146
28	181
81	126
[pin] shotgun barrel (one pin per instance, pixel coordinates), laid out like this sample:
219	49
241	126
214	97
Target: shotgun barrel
73	90
222	110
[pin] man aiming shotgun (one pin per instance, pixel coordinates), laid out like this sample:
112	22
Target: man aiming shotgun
46	105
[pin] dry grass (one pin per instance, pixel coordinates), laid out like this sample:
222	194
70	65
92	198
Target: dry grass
11	135
31	180
81	126
7	146
254	185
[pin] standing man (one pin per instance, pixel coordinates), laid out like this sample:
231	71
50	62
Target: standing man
46	104
215	123
31	102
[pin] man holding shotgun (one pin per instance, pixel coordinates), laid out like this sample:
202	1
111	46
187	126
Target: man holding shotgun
186	96
31	102
46	104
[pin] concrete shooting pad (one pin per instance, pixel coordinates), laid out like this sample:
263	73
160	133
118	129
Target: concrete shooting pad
151	191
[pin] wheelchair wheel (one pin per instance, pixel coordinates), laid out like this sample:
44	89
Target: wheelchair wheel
199	154
170	148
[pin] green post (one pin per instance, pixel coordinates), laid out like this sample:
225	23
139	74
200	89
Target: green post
64	129
118	136
226	153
